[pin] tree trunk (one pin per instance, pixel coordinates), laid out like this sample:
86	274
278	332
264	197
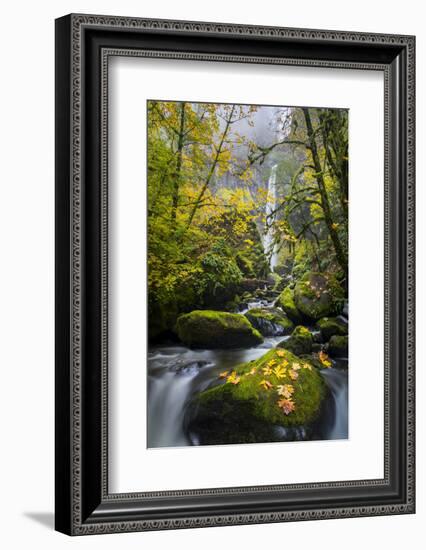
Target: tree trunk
340	254
176	179
212	169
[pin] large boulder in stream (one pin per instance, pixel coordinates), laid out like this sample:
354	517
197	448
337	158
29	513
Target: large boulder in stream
216	329
256	400
286	302
300	341
330	326
318	295
270	321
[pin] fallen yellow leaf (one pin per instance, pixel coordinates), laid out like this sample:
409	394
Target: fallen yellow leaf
287	405
293	375
286	390
265	384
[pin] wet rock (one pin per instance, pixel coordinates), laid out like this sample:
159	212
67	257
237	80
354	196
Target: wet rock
300	341
318	295
331	326
338	346
270	321
216	329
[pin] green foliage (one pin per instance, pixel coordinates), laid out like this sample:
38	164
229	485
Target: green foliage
205	237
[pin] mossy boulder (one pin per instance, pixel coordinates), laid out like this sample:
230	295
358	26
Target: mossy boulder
330	326
270	322
338	346
300	341
286	302
216	329
318	295
247	407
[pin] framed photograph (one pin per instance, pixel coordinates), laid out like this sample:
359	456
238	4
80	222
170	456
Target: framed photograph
234	274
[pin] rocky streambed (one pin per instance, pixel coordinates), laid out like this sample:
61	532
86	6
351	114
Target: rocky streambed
278	372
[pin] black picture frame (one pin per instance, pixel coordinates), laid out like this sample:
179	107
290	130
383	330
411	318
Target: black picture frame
83	45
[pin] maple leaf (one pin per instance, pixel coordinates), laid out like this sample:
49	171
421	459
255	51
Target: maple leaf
253	371
265	384
296	366
293	374
271	363
224	374
287	405
233	378
280	353
286	390
267	370
279	371
323	357
307	366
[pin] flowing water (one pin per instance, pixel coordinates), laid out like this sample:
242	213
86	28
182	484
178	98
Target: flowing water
268	239
176	373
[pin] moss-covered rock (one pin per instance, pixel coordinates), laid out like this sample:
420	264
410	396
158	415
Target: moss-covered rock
248	406
216	329
270	322
330	326
318	295
286	302
338	346
300	341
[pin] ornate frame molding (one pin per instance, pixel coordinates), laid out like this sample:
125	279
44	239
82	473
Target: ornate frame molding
72	45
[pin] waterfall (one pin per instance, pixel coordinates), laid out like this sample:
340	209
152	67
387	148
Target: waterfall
268	239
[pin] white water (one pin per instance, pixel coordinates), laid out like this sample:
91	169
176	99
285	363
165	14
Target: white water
268	239
176	373
337	382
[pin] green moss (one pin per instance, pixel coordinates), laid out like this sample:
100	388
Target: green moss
216	329
270	322
300	341
318	295
286	302
338	346
330	326
246	411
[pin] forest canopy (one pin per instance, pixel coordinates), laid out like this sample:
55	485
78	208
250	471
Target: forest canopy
239	195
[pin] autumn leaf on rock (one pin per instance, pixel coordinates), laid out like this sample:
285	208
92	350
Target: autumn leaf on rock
296	366
265	384
293	375
286	390
323	357
224	374
279	371
287	405
307	366
271	363
233	378
280	353
267	371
